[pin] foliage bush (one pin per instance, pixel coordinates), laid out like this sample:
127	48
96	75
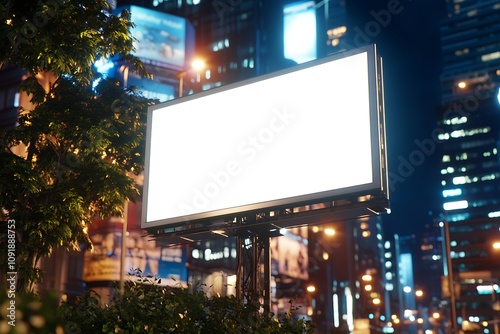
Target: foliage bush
30	314
145	307
153	309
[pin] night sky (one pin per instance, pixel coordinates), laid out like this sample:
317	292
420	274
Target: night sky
408	42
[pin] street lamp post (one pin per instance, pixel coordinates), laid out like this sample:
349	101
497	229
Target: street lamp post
449	273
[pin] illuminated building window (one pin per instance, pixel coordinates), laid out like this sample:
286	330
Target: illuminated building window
456	120
336	32
458	133
490	56
489	177
452	192
459	217
494	214
443	136
459	180
472	12
461	52
468	133
456	205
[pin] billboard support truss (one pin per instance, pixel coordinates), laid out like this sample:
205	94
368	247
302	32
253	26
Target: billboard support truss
253	252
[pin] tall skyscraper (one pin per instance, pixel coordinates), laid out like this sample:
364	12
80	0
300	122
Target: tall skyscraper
468	130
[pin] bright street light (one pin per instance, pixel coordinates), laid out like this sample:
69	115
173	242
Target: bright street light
311	288
197	65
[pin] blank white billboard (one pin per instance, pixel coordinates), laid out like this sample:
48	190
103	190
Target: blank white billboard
294	136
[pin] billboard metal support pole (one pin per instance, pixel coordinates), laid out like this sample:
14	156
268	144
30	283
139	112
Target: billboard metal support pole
239	268
267	274
253	252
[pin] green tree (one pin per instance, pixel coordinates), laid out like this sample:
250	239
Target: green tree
82	145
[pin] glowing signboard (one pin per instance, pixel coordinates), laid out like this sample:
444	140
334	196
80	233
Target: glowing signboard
294	136
161	39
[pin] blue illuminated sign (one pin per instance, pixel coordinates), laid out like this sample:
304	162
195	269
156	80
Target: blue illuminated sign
300	31
162	39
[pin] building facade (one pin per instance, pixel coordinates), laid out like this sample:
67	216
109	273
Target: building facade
469	137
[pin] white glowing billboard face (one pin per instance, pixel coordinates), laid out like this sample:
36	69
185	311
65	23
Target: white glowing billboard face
290	137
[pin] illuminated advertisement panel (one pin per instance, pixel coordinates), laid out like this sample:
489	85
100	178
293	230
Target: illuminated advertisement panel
289	254
161	39
294	136
103	262
299	28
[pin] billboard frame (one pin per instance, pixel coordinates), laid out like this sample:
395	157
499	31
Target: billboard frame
357	200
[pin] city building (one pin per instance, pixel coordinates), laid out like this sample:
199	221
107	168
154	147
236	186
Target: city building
469	139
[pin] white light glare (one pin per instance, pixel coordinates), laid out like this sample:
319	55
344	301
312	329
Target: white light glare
457	205
494	214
